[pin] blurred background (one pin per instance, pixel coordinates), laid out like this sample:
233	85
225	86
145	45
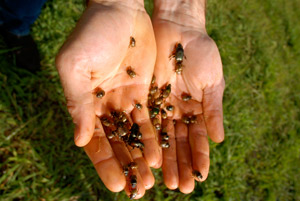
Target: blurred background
259	159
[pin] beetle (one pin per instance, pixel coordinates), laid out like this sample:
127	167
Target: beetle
138	106
164	144
136	144
100	94
139	135
178	68
167	91
133	181
186	97
153	112
170	107
178	53
133	165
153	90
153	79
106	122
193	119
164	114
156	124
130	72
133	193
132	42
126	170
164	136
110	135
122	130
197	175
158	101
186	120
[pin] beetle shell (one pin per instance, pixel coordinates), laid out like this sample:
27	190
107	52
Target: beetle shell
156	124
153	90
135	127
126	170
193	119
197	175
100	94
164	144
138	106
165	137
154	112
137	144
134	135
165	94
179	54
110	135
158	101
185	120
132	42
164	114
122	131
130	72
106	122
178	68
153	79
186	97
133	165
170	107
139	136
133	181
133	194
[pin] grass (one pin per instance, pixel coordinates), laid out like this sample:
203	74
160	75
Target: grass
259	159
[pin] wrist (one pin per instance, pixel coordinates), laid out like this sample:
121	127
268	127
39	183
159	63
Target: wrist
184	12
130	3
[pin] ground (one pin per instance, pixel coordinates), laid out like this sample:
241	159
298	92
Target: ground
259	159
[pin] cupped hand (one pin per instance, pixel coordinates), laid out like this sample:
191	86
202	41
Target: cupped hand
202	79
96	57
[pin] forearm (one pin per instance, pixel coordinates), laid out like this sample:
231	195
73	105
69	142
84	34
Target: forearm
188	12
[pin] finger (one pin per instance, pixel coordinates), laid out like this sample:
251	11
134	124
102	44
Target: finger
77	86
213	111
105	161
184	157
152	150
143	168
169	166
200	147
125	158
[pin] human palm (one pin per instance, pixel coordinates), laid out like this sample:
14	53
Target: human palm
96	57
202	79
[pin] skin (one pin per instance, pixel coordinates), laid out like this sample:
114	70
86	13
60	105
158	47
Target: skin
202	78
96	56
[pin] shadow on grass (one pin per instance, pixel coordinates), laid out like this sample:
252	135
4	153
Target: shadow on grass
38	155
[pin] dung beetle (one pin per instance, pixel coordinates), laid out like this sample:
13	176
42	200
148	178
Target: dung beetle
170	107
130	72
100	94
186	97
138	106
132	42
197	175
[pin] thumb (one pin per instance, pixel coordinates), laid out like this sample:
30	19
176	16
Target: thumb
76	81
